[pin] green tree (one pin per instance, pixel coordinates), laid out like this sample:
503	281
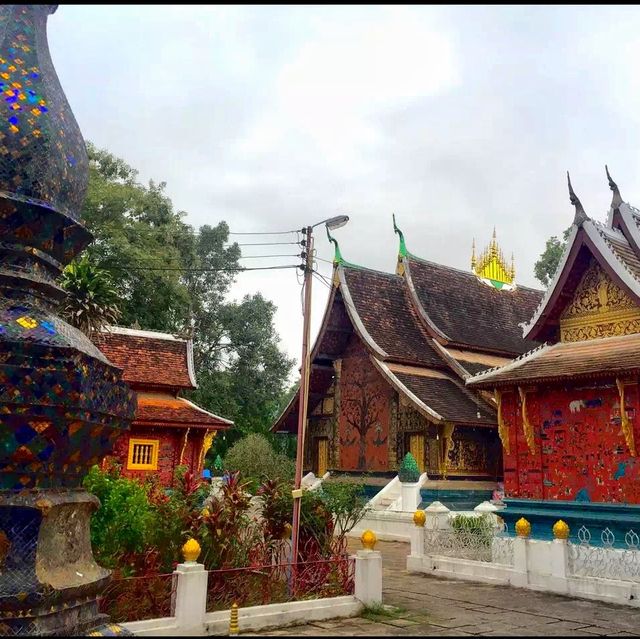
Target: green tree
546	266
256	460
171	278
92	298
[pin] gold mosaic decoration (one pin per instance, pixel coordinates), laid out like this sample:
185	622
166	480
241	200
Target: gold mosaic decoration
625	425
527	427
600	308
503	430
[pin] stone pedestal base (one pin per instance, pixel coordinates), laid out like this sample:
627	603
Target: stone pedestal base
49	580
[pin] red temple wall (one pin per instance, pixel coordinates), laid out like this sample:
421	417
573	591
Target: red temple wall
171	443
581	453
363	426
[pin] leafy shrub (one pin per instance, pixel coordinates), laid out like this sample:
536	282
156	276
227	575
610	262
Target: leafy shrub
256	460
480	528
122	524
409	471
347	503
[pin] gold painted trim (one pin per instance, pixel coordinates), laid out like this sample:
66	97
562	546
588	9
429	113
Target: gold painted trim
503	430
207	442
626	426
184	445
527	427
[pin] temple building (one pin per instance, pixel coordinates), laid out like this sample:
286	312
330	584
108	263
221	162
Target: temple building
168	430
389	364
568	410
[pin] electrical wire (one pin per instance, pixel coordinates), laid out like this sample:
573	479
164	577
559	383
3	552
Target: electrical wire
252	257
265	233
201	270
321	279
227	244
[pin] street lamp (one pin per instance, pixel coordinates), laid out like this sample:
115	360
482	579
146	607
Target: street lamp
331	224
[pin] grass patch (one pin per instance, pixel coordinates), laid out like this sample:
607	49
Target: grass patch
379	612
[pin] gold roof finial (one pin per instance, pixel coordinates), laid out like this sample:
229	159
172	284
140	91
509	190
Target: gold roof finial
491	266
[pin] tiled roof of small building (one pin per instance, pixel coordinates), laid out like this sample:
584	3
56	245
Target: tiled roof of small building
471	313
384	308
165	410
605	357
148	358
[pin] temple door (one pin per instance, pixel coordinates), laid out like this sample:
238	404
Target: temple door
322	462
416	448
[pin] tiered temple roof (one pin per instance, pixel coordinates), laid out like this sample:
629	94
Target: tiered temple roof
590	314
426	329
158	365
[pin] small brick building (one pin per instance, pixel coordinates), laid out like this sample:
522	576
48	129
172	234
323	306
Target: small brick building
168	430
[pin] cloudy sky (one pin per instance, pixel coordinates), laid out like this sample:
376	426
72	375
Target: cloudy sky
456	119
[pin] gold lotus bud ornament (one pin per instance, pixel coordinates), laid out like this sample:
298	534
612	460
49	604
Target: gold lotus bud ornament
191	550
419	517
368	540
523	527
560	530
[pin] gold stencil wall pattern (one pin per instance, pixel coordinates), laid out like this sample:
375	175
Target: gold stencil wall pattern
600	308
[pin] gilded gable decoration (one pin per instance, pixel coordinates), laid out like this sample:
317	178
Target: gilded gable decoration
600	308
491	266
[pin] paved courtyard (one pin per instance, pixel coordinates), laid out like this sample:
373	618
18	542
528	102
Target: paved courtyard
443	607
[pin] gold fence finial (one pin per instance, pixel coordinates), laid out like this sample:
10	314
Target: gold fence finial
419	518
369	540
523	527
560	530
191	550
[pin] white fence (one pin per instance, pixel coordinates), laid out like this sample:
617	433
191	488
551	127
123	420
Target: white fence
605	568
190	616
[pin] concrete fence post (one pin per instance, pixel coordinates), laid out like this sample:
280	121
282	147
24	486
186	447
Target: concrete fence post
559	558
368	577
417	542
520	561
191	596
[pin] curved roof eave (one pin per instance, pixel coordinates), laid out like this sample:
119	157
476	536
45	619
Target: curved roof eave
422	313
352	312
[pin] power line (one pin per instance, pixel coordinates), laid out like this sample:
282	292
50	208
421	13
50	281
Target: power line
227	244
252	257
266	233
200	270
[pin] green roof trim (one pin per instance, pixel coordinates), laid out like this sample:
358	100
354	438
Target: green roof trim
402	249
337	255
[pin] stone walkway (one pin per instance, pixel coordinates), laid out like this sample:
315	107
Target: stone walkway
430	606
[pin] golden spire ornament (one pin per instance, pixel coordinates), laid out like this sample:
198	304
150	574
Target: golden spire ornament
491	267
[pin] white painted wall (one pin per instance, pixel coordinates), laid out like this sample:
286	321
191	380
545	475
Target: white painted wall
537	565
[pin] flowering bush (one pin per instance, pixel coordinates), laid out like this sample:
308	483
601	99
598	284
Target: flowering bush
140	527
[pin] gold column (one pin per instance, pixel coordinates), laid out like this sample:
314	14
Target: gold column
447	434
503	430
527	427
334	445
626	426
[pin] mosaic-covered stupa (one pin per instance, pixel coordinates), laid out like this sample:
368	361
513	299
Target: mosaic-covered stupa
62	403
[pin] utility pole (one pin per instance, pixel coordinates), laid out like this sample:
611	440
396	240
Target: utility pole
303	392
